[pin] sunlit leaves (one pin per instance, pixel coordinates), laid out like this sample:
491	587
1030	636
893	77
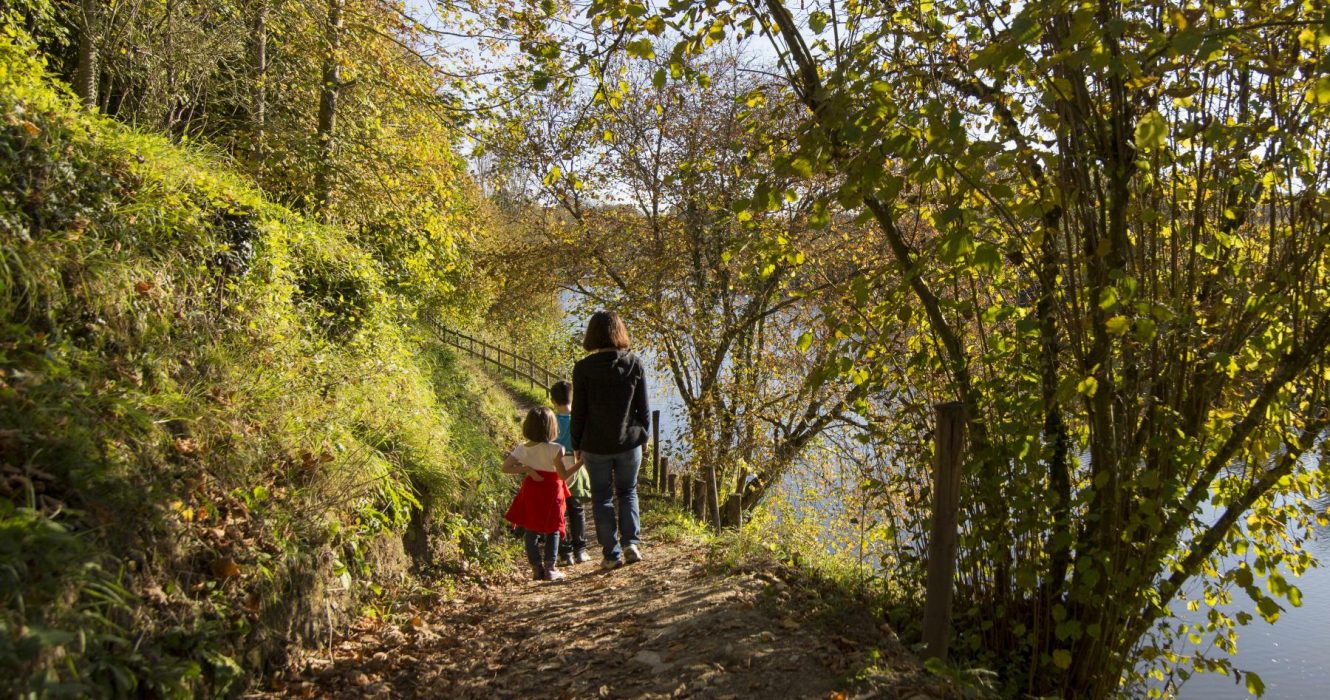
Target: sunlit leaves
1151	132
817	21
1254	684
1120	221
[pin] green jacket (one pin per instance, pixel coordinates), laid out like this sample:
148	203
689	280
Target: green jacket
580	484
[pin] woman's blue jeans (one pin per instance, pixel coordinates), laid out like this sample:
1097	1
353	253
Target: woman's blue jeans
615	476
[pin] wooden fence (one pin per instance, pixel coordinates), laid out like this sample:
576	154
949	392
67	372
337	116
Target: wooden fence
699	496
519	366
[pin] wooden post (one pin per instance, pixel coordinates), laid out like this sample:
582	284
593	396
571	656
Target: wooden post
687	491
950	441
655	449
669	479
734	511
699	499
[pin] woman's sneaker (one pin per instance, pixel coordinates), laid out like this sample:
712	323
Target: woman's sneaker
581	557
631	555
553	574
610	564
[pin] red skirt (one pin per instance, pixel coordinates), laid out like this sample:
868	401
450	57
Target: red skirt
539	505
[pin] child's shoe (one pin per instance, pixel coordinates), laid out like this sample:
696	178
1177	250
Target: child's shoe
537	572
581	557
552	573
566	559
631	554
610	564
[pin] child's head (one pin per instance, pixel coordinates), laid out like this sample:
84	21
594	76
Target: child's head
561	393
540	425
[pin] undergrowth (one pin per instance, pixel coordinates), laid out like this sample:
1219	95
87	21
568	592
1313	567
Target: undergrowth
220	433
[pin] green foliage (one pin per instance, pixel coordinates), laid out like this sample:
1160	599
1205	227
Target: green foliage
1107	226
668	521
219	420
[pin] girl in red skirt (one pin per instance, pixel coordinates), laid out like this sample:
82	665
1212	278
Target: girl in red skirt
539	505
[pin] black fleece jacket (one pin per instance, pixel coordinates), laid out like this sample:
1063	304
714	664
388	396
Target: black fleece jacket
610	409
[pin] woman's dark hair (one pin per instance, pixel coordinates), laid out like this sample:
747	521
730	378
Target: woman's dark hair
606	330
540	425
561	392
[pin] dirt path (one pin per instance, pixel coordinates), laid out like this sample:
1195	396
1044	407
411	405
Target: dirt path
665	627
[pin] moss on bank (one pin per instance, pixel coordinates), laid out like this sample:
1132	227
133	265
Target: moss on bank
220	433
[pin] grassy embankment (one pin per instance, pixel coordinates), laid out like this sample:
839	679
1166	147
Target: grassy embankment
220	434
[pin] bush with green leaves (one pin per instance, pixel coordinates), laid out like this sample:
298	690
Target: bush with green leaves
217	423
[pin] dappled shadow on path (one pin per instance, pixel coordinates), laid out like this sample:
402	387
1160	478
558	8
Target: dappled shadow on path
661	628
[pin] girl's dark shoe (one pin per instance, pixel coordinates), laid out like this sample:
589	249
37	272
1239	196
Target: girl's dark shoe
538	572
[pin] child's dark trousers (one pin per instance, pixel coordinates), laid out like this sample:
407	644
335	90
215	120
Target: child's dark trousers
575	517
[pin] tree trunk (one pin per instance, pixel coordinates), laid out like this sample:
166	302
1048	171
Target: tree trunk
85	79
259	68
332	85
713	496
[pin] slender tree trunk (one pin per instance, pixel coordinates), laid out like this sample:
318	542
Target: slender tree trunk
85	79
259	68
332	85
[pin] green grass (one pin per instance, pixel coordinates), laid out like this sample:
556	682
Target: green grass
524	393
666	520
219	423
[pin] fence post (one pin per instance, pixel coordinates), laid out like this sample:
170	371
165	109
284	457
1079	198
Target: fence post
699	500
687	491
950	442
734	510
669	478
655	448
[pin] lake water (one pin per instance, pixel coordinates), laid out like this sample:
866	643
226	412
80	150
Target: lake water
1292	656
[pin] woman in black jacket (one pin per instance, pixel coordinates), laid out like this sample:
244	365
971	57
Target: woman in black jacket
610	423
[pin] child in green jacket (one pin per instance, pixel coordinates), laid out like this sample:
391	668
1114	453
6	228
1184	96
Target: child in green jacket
572	549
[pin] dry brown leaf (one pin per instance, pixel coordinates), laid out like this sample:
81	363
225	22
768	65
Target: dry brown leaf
143	287
225	567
